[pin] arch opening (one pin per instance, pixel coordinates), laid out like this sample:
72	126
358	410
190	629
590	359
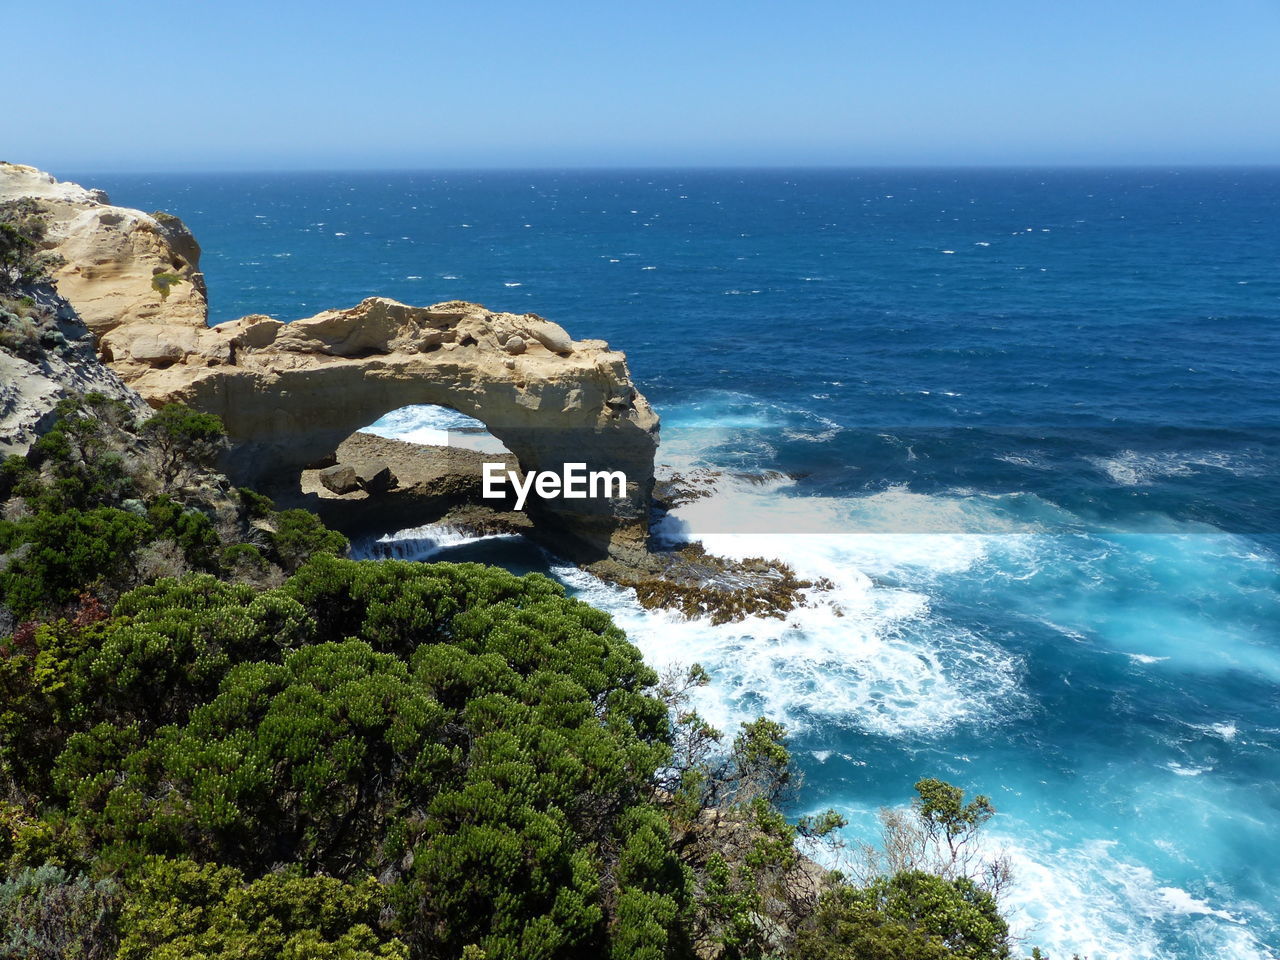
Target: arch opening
415	466
436	425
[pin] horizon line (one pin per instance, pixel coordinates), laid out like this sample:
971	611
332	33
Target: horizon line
681	168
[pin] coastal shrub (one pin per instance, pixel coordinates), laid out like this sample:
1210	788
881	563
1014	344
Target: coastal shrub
909	916
64	552
23	260
21	336
80	461
97	458
164	653
300	535
183	441
48	914
182	910
483	744
190	530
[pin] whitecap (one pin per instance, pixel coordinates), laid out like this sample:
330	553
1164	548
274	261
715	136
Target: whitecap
1179	901
436	426
1180	770
423	543
1091	900
1145	658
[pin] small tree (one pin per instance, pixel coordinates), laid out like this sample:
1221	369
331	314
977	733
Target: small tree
947	818
182	439
937	835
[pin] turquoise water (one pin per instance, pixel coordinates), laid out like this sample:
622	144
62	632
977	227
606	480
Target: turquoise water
1029	422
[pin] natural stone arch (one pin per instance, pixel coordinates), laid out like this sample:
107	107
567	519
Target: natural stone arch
290	393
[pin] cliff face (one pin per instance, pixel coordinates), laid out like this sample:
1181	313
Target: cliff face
289	394
114	255
58	361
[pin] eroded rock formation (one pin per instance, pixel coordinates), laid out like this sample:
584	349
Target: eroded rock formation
121	266
289	394
62	362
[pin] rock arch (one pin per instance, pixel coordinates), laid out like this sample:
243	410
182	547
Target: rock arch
290	393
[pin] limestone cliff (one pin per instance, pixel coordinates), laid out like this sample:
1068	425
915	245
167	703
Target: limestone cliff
289	394
121	266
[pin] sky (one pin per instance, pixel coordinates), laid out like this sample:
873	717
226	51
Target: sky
119	85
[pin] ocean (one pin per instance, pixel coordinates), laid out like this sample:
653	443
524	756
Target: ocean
1025	422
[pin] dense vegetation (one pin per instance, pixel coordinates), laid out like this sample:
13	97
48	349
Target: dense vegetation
219	738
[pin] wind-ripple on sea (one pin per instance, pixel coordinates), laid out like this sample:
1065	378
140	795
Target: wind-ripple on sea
1038	471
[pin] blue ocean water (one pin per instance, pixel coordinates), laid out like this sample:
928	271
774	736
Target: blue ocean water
1025	423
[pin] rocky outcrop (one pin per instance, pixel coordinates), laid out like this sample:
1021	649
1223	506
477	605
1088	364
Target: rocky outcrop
52	359
121	266
432	483
289	394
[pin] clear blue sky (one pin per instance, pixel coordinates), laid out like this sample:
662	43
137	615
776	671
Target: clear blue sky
114	85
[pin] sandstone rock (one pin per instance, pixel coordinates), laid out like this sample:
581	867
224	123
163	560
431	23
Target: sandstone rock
339	478
514	345
375	477
255	331
153	345
113	254
550	335
289	394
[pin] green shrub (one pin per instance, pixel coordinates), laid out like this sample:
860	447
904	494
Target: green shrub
183	441
23	226
189	911
79	462
300	535
190	529
480	740
47	914
63	553
910	916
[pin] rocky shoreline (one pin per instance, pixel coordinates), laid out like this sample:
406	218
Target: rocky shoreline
441	485
293	396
